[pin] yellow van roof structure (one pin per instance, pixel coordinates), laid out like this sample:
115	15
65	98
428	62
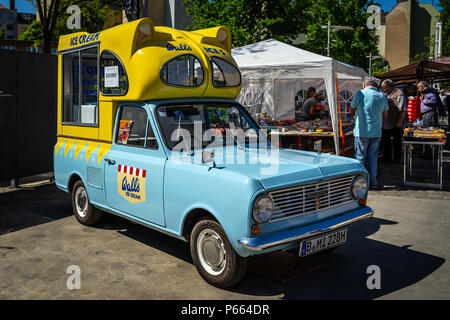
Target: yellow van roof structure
144	49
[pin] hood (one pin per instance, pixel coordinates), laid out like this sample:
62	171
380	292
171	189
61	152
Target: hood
281	167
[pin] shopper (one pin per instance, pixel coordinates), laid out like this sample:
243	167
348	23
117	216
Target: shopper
430	103
394	122
369	106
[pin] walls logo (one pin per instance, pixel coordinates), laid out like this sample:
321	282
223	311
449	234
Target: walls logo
131	183
181	47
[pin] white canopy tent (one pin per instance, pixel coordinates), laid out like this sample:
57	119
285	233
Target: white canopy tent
274	72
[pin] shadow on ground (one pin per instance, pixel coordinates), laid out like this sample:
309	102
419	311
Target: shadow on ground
30	206
339	274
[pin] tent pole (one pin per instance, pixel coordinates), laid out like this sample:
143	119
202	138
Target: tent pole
339	110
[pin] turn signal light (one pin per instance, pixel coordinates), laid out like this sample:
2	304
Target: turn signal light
255	229
363	202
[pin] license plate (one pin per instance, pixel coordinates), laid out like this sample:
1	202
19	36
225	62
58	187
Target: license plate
323	242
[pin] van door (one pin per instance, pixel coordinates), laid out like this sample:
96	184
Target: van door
134	167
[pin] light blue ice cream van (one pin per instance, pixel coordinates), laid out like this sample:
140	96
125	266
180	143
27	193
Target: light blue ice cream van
178	154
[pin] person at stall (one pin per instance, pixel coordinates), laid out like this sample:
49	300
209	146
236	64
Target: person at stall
309	94
430	104
445	99
394	122
309	106
369	107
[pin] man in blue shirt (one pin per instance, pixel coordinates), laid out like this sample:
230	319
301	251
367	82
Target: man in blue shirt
369	106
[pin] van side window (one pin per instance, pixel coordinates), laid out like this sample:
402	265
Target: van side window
183	71
80	107
113	78
135	129
225	75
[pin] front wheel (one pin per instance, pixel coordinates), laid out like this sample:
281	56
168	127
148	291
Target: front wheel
213	255
84	211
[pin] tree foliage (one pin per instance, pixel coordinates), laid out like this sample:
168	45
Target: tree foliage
445	19
250	21
93	17
351	46
33	33
53	18
2	33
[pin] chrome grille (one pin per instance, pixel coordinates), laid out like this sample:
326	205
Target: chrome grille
301	200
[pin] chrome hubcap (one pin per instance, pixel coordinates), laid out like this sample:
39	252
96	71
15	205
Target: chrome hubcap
211	252
81	202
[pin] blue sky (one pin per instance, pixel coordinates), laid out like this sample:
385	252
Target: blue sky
386	5
21	6
25	6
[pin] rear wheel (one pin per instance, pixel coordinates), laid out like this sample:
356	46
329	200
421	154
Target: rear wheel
214	257
84	211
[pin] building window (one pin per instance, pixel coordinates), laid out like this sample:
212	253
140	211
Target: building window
10	16
80	106
10	27
8	47
33	49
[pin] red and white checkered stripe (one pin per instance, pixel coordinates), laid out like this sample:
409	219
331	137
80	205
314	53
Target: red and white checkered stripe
133	171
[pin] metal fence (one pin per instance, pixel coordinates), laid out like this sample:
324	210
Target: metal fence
28	97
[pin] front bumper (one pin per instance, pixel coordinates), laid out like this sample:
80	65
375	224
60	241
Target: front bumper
279	238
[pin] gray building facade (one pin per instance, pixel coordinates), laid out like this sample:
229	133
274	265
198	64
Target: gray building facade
8	21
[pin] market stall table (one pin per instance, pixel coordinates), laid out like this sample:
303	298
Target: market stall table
313	135
435	139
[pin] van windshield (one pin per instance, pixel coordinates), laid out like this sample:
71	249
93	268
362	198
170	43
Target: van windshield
195	126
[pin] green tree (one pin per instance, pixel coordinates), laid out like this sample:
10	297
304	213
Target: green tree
351	46
380	66
445	19
2	34
33	33
93	17
250	21
53	17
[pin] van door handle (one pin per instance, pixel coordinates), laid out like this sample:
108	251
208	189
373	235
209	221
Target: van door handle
110	161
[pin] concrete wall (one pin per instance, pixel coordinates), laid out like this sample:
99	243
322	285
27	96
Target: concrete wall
381	34
168	13
398	34
432	17
176	15
156	11
410	30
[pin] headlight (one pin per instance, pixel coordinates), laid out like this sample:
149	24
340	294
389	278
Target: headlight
263	209
359	187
